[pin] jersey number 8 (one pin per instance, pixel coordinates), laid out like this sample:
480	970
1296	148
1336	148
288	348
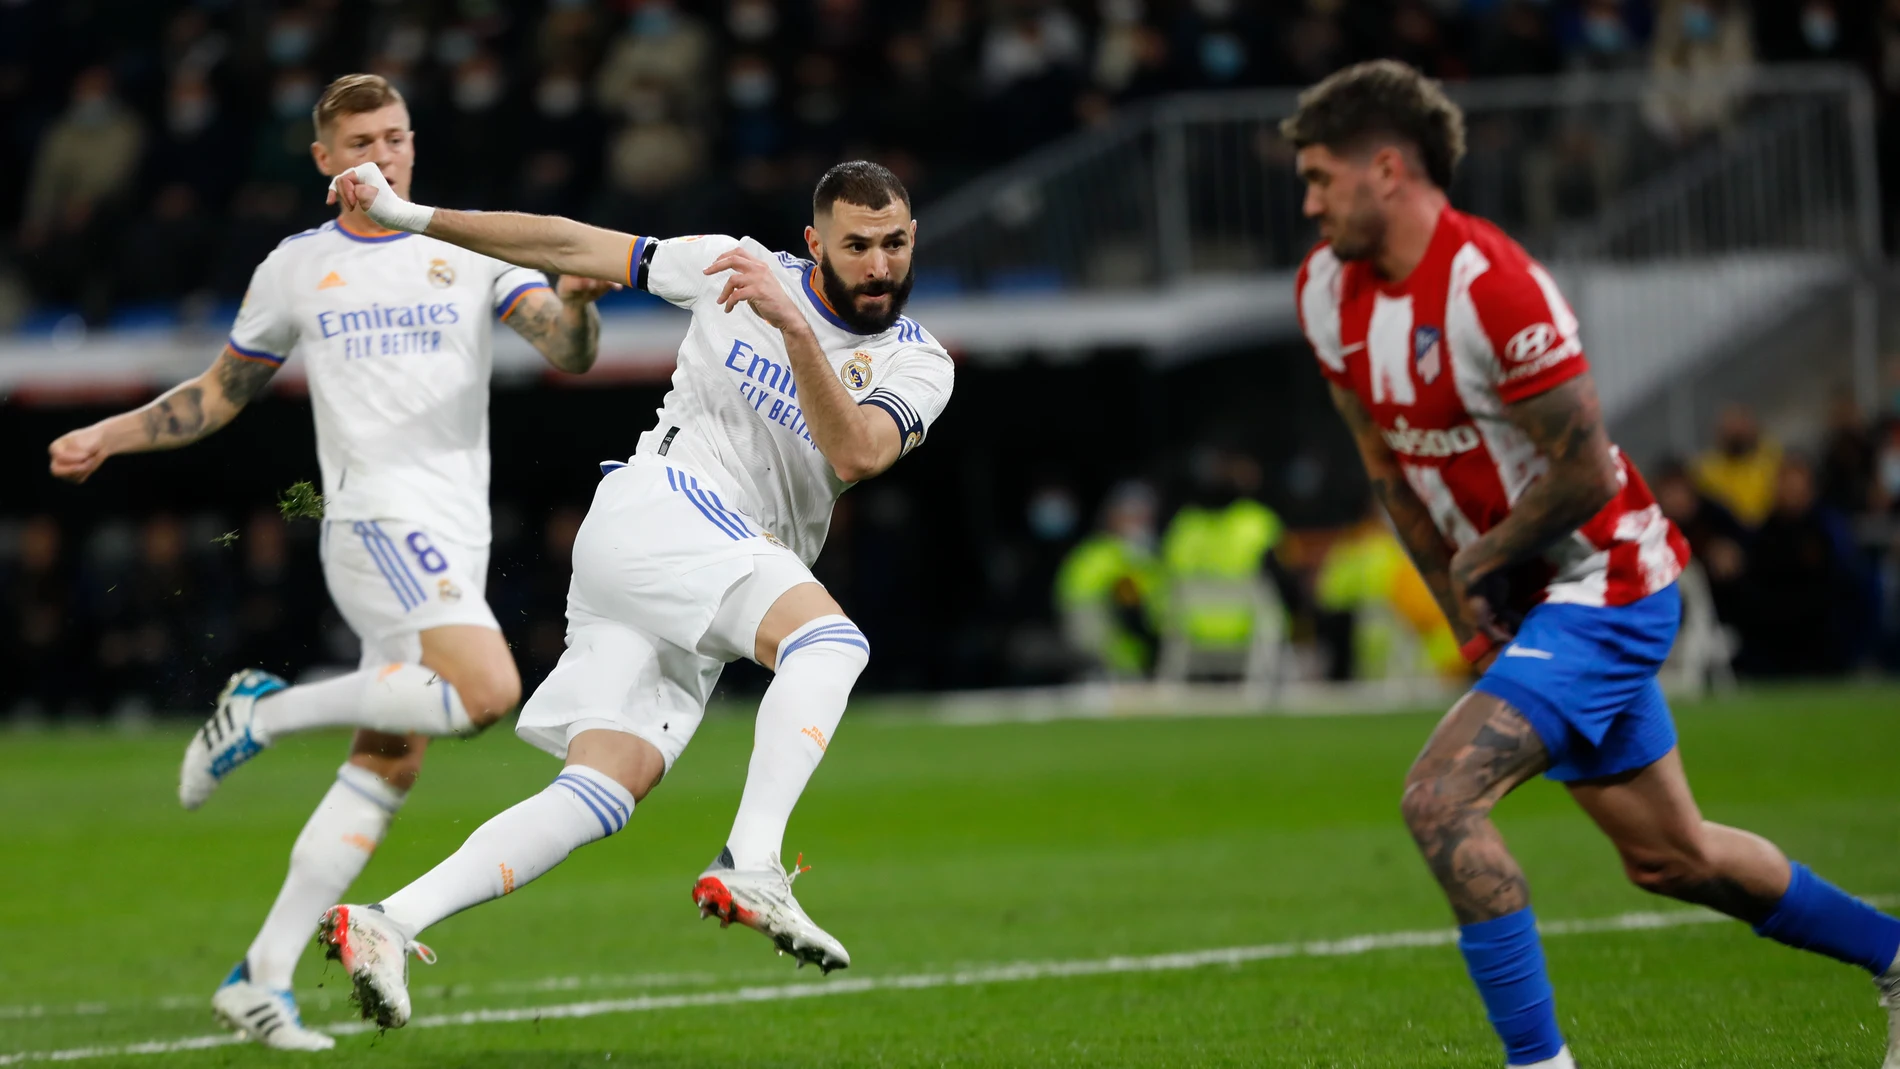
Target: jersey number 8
426	555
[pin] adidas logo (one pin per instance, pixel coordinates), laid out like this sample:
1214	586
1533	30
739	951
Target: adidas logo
331	281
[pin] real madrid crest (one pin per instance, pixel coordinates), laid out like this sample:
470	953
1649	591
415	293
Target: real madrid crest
441	275
856	371
448	590
911	440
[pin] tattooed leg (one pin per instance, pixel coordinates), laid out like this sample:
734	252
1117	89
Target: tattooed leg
1668	849
1480	752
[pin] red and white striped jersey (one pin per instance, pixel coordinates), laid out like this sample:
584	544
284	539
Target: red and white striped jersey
1435	359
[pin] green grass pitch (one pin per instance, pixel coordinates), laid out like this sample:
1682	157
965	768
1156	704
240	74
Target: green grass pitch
941	850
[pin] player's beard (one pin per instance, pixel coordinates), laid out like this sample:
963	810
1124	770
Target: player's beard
1361	234
844	299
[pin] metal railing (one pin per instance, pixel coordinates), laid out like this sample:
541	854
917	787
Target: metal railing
1573	166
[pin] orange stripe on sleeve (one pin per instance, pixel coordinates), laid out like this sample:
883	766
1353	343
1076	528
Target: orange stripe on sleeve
254	358
519	297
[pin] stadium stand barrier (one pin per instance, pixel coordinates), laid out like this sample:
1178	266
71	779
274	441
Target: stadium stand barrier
1672	246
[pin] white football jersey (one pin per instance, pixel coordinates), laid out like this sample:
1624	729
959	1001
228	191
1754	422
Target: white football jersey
733	413
395	333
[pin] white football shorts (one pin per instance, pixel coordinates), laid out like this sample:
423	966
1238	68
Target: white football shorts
393	580
670	583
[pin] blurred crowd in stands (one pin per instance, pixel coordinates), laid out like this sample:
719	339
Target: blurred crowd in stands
1222	566
1796	569
153	151
139	616
1799	549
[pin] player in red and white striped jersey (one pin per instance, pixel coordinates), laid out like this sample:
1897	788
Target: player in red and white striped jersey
1458	366
1437	357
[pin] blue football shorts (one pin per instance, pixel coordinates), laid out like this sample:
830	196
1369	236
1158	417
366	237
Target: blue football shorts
1585	678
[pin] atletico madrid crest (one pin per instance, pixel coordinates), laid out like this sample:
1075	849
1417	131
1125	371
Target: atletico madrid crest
1428	353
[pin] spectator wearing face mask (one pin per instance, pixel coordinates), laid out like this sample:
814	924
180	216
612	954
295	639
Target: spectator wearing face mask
1809	31
1032	66
1220	44
81	185
1701	56
197	139
482	132
562	145
1605	35
664	50
292	39
755	124
1741	471
1110	589
280	152
85	163
650	162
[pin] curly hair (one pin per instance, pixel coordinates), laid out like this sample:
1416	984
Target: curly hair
1381	100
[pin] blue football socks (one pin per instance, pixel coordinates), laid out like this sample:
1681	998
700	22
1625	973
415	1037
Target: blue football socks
1506	961
1816	915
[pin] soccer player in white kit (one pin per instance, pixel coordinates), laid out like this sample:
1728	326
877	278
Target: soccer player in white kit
797	379
394	331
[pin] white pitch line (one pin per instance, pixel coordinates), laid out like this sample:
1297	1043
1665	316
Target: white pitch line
593	982
991	974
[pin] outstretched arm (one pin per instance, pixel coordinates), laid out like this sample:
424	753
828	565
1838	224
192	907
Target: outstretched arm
180	416
1429	551
1565	423
547	242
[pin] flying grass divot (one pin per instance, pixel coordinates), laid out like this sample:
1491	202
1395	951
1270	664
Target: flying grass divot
301	502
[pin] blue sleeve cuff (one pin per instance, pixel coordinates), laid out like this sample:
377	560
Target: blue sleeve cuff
910	429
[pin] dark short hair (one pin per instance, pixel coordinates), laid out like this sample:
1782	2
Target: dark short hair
352	94
859	182
1381	100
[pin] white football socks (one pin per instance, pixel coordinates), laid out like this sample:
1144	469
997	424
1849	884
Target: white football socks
397	698
1562	1060
817	666
515	846
332	849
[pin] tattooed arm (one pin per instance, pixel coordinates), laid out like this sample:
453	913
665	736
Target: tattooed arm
1429	551
562	323
180	416
1565	423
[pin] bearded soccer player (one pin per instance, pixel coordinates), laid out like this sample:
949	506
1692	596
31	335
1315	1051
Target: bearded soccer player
1458	368
395	332
797	379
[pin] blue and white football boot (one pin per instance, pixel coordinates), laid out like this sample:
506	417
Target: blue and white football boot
227	739
262	1015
